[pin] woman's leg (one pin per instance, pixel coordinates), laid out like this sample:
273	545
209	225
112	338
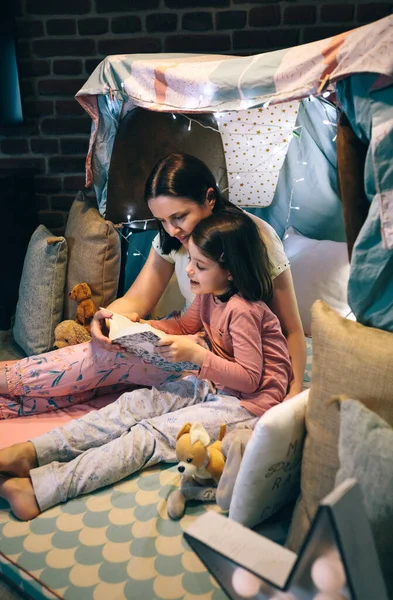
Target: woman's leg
69	376
148	442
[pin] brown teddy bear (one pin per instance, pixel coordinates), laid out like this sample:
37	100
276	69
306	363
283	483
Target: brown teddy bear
69	333
86	308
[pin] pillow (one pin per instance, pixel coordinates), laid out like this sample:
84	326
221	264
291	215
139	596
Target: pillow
320	270
350	359
41	292
94	254
270	469
366	453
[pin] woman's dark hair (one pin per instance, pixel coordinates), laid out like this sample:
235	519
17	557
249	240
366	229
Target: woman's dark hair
232	239
182	176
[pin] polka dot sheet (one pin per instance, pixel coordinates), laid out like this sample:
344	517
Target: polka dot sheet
117	543
255	144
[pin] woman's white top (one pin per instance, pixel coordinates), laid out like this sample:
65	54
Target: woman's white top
179	258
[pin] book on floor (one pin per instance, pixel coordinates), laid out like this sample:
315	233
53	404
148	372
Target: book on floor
141	339
338	553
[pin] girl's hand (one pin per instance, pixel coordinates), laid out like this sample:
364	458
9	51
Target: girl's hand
179	348
199	338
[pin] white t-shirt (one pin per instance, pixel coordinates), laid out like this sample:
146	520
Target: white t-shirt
179	258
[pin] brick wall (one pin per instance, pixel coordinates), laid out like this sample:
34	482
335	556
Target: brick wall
61	42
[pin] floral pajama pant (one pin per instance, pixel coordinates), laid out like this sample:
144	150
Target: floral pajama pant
136	431
72	375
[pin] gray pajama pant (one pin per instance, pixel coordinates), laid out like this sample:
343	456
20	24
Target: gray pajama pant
136	431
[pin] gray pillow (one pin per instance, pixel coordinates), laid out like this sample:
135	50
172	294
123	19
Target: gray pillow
41	292
366	453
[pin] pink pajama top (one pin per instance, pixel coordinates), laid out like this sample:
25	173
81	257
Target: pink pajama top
249	355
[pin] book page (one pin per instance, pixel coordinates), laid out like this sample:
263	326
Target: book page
243	546
141	339
120	326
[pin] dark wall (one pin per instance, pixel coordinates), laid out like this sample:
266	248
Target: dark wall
60	42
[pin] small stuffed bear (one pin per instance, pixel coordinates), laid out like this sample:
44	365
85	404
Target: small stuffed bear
200	464
69	333
86	308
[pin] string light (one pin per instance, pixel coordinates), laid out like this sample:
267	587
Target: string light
127	237
252	130
275	128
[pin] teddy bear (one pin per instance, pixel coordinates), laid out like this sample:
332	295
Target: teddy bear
86	308
201	465
69	333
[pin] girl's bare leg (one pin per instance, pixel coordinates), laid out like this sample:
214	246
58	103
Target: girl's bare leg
18	459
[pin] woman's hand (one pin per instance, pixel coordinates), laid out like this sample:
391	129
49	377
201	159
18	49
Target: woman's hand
179	348
99	328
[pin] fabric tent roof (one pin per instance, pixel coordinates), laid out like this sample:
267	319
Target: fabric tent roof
357	65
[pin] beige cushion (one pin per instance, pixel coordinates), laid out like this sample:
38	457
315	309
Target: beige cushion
351	359
93	254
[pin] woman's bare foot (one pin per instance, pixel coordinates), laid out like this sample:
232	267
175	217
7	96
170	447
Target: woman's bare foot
19	493
18	459
3	381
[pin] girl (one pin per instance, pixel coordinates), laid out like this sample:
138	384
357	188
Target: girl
180	192
245	371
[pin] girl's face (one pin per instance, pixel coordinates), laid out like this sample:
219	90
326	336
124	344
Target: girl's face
206	276
178	216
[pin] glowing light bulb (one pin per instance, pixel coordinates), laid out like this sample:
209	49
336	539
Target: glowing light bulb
244	583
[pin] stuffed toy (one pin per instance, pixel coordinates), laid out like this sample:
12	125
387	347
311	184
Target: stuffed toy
86	308
69	333
200	465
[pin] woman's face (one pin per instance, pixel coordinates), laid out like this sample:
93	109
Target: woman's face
179	216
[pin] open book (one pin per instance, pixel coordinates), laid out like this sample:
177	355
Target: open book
249	565
140	339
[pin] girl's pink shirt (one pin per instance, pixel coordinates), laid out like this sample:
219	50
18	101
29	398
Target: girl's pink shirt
249	355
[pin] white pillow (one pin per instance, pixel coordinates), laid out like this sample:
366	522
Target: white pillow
269	473
320	270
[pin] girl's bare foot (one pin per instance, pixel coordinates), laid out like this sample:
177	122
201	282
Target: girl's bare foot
18	459
19	493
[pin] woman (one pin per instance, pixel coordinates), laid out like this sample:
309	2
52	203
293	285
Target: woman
180	192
